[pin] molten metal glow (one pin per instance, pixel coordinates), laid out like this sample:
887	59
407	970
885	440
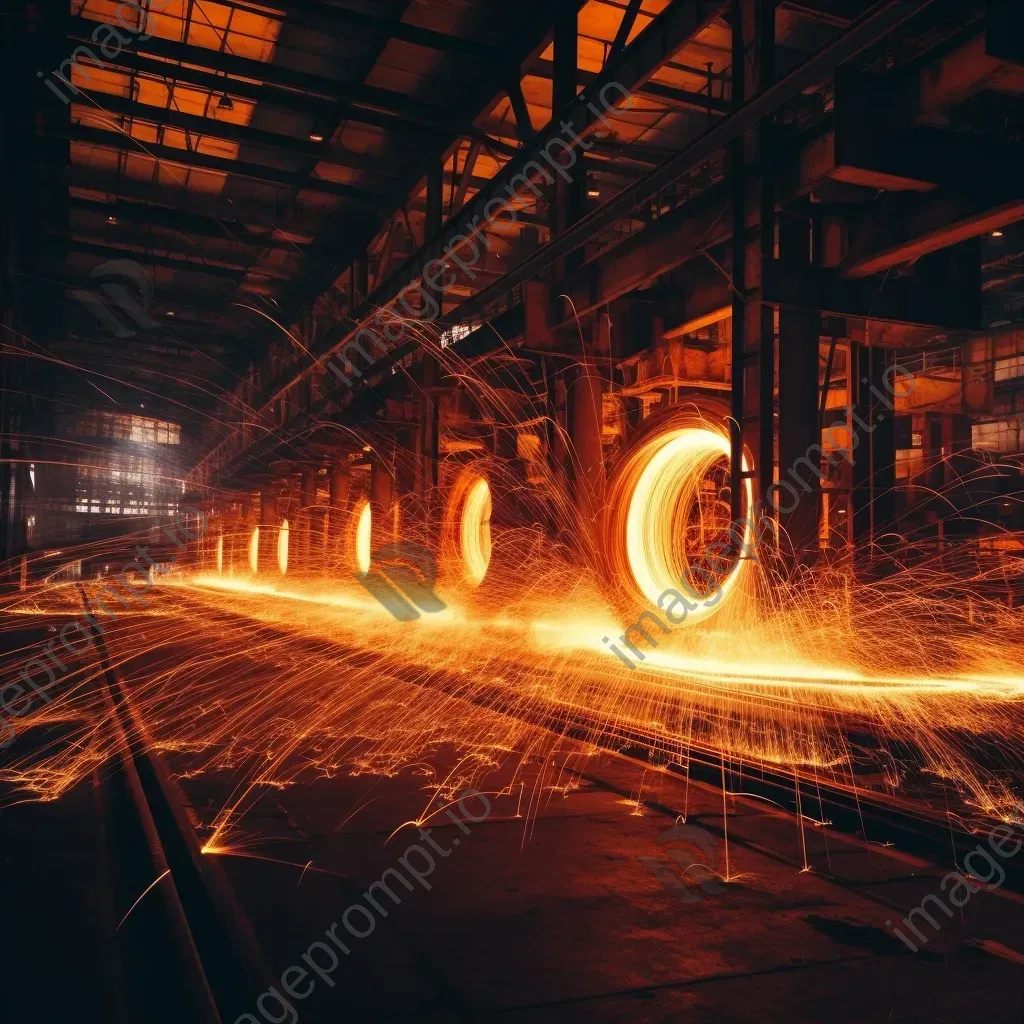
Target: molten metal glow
475	530
364	537
662	544
220	555
282	548
891	687
254	551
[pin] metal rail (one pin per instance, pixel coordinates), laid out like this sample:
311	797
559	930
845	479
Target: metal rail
218	953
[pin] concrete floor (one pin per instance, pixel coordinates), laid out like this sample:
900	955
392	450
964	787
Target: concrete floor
568	903
579	913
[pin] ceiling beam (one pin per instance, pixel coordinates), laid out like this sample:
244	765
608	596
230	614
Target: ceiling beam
675	26
183	225
277	216
185	300
301	84
190	158
664	37
524	127
670	95
110	252
287	99
211	127
881	19
329	20
625	27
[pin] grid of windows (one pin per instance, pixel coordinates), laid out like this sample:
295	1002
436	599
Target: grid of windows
1009	368
141	429
129	485
909	463
1001	436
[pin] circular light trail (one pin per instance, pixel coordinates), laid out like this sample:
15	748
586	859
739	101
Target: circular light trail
475	530
282	548
670	533
364	535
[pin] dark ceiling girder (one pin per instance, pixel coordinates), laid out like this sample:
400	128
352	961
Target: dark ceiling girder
466	178
331	20
677	24
183	225
670	95
625	27
814	12
271	95
183	298
532	219
524	127
880	19
190	158
174	331
210	127
278	217
917	225
496	146
301	84
110	252
526	44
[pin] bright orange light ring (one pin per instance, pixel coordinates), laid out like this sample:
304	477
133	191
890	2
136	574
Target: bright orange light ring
662	486
364	538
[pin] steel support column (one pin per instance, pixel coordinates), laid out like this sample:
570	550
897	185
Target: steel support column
270	523
428	424
585	424
874	448
303	534
336	520
753	321
799	421
568	195
381	501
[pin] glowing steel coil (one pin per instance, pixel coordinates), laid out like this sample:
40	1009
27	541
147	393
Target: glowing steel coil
282	547
363	537
669	520
468	527
254	551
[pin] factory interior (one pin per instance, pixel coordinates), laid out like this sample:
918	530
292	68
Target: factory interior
512	511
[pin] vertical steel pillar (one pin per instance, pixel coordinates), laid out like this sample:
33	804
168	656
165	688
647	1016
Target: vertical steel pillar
362	272
381	501
269	524
569	196
336	518
799	422
304	527
874	447
585	425
428	426
753	321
